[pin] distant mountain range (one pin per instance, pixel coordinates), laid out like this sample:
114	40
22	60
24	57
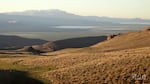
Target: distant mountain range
43	20
65	15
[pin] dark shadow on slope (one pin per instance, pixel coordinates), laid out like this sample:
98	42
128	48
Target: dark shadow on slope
79	42
16	77
10	42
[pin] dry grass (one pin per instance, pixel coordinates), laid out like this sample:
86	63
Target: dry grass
96	68
113	68
115	61
126	41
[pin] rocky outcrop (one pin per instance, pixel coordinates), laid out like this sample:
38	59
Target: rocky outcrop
30	49
37	49
112	36
146	29
47	47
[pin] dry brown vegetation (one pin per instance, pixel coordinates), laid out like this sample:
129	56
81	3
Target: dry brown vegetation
115	61
96	68
112	67
126	41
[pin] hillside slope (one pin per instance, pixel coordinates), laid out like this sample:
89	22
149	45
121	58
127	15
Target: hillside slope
65	44
126	41
78	42
127	62
119	67
12	42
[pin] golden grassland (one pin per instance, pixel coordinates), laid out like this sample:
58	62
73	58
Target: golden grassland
115	61
126	41
78	68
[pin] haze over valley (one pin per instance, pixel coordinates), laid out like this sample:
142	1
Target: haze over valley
57	25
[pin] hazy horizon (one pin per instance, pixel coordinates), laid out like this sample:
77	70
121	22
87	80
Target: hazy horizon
111	8
76	32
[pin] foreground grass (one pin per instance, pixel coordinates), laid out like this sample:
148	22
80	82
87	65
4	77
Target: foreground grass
32	71
115	67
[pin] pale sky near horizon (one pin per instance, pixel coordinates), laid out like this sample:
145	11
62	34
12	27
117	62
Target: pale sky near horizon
111	8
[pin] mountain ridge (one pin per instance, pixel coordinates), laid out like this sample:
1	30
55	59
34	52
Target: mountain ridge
61	12
55	13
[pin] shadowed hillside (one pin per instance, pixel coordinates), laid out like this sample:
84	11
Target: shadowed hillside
16	77
67	43
37	46
13	42
78	42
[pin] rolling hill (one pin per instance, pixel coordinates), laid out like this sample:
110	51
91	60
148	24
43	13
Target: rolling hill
122	59
15	42
78	42
64	44
41	46
126	41
128	56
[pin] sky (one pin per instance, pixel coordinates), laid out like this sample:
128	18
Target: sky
111	8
